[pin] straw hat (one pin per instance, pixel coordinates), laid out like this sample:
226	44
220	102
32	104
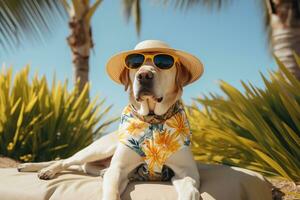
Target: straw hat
116	63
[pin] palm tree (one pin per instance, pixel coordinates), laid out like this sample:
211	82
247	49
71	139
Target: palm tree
80	39
21	20
282	20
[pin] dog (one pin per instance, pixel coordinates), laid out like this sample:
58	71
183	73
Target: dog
153	140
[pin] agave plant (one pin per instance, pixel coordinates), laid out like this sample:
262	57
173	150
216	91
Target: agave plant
258	129
39	123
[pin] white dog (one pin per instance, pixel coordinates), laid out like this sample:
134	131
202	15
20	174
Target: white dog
154	136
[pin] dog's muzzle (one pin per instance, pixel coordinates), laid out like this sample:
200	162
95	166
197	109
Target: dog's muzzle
145	84
145	78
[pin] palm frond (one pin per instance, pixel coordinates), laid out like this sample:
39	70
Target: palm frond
185	4
133	8
218	4
27	21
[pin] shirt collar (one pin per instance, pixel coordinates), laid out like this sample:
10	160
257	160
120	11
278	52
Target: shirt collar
158	119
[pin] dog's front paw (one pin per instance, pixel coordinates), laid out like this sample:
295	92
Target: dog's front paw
25	167
46	174
190	194
111	196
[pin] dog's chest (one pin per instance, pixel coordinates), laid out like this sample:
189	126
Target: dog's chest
154	142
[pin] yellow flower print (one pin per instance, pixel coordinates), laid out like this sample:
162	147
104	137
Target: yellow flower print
155	143
166	141
136	127
154	156
127	110
179	124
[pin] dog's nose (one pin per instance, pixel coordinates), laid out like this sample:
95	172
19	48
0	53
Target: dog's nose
145	76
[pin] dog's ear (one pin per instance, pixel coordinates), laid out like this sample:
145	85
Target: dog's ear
124	78
183	76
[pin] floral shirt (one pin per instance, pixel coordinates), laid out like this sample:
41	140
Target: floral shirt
155	142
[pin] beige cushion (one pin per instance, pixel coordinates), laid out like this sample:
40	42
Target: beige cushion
217	182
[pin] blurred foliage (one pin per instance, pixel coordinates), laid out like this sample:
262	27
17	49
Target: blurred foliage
38	123
258	129
33	21
28	21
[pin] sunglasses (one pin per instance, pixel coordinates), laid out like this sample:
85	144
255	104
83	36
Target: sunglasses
160	60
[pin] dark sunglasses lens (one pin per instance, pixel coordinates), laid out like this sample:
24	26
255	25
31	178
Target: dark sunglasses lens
134	61
163	61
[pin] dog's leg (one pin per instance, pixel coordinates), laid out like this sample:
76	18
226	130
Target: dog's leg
100	149
186	187
186	180
115	178
33	167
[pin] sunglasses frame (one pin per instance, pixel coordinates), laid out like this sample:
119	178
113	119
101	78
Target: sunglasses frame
151	56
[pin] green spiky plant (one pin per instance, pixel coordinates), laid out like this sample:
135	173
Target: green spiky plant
258	129
39	123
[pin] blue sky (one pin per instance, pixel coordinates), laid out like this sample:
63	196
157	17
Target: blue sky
231	43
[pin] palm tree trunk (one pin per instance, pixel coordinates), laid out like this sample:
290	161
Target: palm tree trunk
285	32
80	42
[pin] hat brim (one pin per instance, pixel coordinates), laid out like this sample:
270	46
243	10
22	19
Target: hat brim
116	64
